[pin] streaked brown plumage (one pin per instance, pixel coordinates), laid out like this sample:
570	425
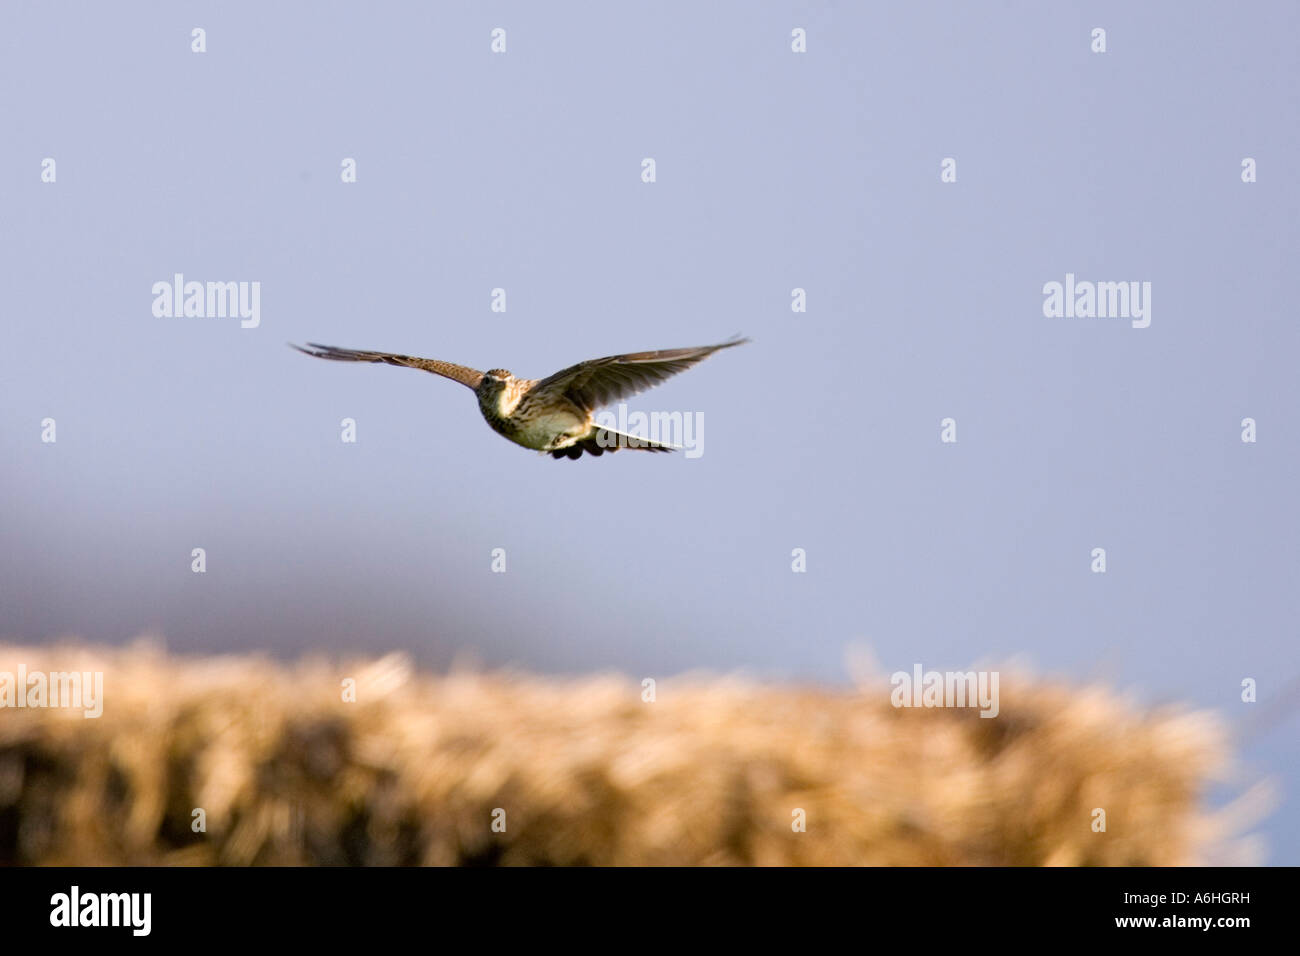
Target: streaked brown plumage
553	414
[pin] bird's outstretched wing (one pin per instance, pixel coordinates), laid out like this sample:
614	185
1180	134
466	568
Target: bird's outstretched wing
598	382
457	373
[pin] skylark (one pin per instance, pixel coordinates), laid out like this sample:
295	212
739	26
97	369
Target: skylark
553	414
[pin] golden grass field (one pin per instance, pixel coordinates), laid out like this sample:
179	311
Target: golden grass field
712	772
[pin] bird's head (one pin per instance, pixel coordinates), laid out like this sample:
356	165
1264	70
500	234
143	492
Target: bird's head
493	392
494	380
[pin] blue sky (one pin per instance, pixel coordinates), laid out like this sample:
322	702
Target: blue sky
774	171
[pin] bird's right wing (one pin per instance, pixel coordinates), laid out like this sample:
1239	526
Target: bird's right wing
457	373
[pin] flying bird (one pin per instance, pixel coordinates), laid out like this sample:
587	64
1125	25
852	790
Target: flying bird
553	414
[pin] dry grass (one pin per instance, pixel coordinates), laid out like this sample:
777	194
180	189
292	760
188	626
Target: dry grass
710	773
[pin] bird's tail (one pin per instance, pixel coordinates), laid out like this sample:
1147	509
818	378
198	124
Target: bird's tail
610	440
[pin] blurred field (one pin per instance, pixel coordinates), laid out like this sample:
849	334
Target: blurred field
288	773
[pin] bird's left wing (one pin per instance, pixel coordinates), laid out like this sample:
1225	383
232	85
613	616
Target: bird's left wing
598	382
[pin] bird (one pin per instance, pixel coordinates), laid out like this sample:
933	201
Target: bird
553	415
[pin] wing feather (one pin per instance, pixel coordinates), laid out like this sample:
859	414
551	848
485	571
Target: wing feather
597	382
457	373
